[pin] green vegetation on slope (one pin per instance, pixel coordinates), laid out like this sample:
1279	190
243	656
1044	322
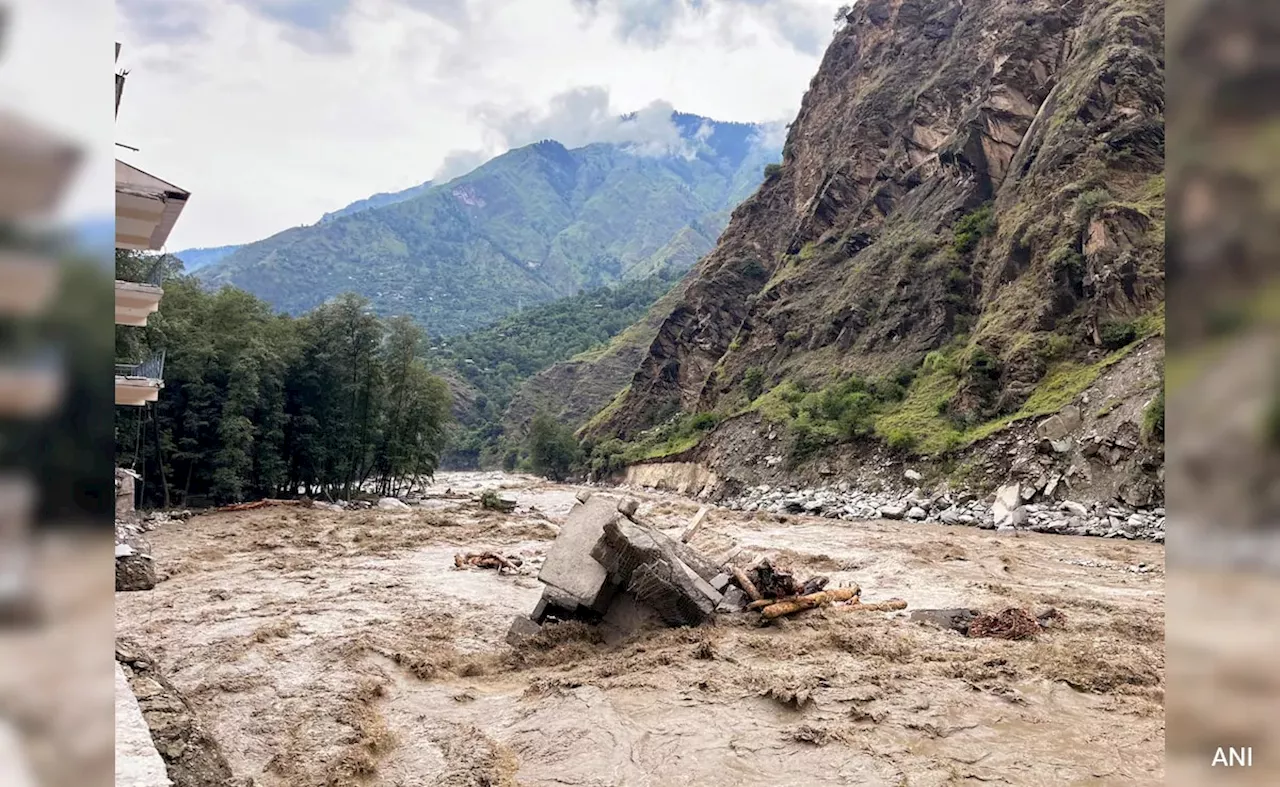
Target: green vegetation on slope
497	359
534	224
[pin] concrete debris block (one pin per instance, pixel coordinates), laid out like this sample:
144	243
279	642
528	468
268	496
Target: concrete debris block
734	600
392	504
522	628
677	595
695	525
569	566
720	581
628	508
583	495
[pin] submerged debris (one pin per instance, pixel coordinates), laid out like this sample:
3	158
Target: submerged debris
1011	623
490	501
490	560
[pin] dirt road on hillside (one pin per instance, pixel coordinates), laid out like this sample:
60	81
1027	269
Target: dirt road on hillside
344	648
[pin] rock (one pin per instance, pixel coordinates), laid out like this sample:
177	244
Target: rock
392	504
1057	427
124	550
1075	508
135	572
953	619
1007	509
522	628
1062	446
720	581
912	475
951	516
917	513
628	507
583	495
893	512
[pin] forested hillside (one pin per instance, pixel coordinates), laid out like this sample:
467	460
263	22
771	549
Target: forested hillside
490	366
258	404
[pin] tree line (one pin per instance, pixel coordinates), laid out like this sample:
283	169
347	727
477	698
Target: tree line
258	404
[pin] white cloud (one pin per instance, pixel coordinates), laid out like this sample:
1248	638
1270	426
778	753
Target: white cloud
273	112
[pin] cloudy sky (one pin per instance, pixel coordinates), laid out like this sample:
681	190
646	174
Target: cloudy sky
273	112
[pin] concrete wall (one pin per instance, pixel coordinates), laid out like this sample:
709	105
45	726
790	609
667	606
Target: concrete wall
138	764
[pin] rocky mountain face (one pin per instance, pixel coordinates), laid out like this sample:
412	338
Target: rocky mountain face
534	224
965	235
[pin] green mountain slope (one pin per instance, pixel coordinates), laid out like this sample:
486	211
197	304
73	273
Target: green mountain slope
530	226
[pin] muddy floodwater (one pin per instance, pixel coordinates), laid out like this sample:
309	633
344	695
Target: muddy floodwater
344	648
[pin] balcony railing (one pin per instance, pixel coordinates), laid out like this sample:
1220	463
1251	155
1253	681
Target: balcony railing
152	274
152	368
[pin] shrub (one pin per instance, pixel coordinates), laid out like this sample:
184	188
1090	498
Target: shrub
752	269
772	171
973	228
1115	335
753	383
703	422
1153	418
1090	201
902	440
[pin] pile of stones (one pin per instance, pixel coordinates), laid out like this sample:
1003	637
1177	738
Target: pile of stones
1012	508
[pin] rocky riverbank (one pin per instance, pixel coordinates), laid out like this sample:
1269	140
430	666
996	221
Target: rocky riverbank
1013	505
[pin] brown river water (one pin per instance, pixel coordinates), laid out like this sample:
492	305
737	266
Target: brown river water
344	648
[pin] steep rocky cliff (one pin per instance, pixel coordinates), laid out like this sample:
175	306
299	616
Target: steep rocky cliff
966	232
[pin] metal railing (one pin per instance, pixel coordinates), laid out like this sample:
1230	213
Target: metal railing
152	368
152	274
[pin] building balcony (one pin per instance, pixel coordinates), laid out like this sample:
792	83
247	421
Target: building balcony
35	167
139	383
146	209
138	300
30	387
28	282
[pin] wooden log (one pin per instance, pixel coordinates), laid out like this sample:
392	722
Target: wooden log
823	598
745	583
768	602
695	525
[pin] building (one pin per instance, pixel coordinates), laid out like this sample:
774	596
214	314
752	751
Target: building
146	210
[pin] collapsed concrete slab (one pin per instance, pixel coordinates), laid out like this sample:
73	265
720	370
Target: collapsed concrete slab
607	568
569	568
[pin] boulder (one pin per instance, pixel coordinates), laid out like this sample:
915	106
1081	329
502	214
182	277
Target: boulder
917	513
893	512
1007	510
912	475
392	504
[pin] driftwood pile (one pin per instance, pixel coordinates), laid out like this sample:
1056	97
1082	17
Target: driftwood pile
776	594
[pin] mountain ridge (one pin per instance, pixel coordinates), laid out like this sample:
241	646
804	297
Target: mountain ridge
534	224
